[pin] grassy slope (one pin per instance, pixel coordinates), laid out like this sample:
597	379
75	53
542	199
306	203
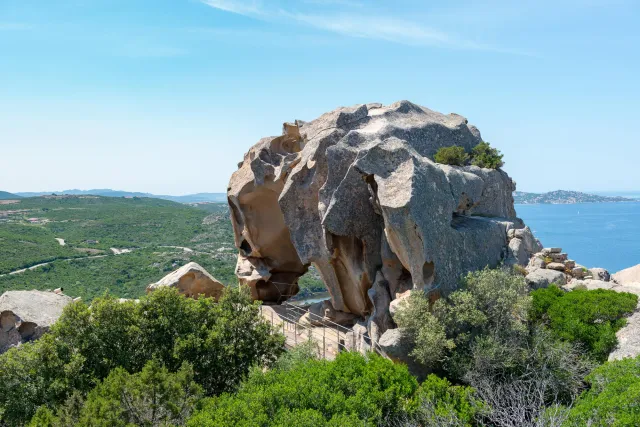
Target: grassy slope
145	225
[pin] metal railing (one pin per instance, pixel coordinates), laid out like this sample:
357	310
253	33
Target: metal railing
330	337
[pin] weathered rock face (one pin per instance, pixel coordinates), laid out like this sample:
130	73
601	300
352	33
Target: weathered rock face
357	194
628	275
26	315
191	280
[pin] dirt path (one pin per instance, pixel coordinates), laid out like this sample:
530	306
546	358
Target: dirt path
33	267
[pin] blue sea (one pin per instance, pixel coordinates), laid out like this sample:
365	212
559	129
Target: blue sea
594	234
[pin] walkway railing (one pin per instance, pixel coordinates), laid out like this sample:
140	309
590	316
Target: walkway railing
330	337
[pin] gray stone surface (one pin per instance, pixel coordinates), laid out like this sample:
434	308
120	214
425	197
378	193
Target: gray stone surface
355	192
628	275
191	280
542	278
26	315
600	274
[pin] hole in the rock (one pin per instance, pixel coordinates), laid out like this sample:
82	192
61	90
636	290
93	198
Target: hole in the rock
7	321
245	247
27	331
428	273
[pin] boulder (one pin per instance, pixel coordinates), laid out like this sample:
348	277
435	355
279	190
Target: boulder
549	251
559	257
516	253
322	313
558	266
600	274
578	272
356	191
628	275
531	244
26	315
535	262
191	280
396	304
542	278
569	264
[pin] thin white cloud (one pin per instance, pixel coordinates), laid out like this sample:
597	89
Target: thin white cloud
238	7
373	27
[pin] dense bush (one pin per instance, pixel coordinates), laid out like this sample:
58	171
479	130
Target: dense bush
453	155
485	156
353	390
220	341
481	336
152	397
590	318
613	399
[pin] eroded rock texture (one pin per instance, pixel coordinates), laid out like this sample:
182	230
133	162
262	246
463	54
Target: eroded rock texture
191	280
357	194
26	315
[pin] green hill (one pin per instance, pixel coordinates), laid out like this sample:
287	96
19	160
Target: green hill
156	232
8	196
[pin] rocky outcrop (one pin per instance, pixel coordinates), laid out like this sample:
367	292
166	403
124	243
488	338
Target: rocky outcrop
26	315
628	275
191	280
356	193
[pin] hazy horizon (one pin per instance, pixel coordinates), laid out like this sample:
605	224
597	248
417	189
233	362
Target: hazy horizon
165	97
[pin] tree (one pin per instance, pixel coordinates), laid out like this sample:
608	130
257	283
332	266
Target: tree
152	397
453	155
485	156
221	341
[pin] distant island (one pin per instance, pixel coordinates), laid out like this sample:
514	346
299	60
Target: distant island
107	192
563	197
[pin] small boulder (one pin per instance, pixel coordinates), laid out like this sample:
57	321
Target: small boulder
549	251
191	280
600	274
569	264
397	303
559	257
578	272
542	278
517	254
26	315
558	266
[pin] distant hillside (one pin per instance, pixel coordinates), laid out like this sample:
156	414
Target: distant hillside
107	192
8	196
563	197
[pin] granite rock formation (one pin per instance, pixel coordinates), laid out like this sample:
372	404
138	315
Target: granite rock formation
191	280
26	315
357	194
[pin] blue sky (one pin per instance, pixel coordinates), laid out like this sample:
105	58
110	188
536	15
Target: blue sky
165	96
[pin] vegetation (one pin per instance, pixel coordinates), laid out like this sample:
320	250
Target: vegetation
353	390
482	155
453	155
485	156
482	336
156	231
613	396
589	318
220	342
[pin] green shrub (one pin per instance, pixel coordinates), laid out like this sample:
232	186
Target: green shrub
453	155
484	156
589	318
353	390
221	341
152	397
613	398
